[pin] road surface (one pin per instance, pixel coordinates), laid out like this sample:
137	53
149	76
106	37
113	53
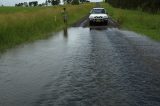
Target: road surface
79	66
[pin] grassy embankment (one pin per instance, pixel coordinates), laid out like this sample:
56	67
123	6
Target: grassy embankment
136	20
19	25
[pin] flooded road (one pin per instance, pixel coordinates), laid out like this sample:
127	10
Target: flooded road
82	67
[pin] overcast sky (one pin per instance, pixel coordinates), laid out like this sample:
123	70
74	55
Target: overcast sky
13	2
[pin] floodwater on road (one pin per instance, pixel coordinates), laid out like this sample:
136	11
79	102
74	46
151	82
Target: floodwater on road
82	67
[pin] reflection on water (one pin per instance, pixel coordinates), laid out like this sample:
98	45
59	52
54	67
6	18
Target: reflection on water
98	27
65	32
26	71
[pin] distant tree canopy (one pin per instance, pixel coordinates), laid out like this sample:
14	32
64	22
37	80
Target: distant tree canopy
19	4
25	4
55	2
69	1
75	2
145	5
83	1
33	3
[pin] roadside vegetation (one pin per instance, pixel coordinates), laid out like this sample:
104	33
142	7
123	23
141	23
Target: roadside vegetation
19	24
152	6
136	20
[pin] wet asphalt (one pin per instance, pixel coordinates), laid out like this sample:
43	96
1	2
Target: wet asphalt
82	66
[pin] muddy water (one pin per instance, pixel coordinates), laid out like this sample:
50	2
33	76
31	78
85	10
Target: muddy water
82	67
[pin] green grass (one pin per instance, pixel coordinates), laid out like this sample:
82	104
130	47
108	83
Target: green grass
136	20
19	25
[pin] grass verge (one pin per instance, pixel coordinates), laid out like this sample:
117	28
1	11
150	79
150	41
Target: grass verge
19	24
136	20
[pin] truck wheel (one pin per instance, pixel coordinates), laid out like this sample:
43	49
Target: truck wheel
90	23
106	22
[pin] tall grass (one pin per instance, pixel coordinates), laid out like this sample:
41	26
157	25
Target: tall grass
18	24
136	20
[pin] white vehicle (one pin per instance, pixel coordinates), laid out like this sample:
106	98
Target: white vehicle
98	15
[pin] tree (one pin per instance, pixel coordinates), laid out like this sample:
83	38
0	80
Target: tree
83	1
33	3
75	2
46	3
146	5
65	1
49	1
55	2
69	1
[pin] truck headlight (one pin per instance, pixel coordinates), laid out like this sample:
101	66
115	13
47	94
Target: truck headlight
91	17
105	17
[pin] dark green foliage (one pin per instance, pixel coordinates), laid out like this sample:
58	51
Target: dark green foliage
55	2
49	1
33	3
146	5
69	1
83	1
75	2
136	20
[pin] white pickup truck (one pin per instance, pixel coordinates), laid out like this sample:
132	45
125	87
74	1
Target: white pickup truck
98	15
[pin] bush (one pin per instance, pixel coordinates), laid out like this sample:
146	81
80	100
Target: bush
75	2
147	5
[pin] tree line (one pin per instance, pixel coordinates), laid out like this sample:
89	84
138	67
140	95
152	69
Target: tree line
35	3
145	5
49	2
